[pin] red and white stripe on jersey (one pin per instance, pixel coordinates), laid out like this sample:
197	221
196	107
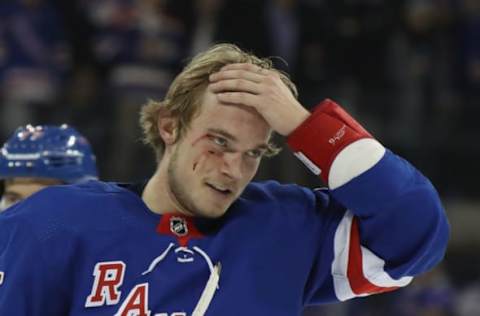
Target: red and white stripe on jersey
357	271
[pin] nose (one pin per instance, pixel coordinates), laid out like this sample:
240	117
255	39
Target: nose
232	165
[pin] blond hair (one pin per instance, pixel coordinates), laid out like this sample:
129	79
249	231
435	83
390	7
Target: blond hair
184	96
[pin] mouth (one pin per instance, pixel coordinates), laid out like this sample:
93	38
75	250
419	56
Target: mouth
221	190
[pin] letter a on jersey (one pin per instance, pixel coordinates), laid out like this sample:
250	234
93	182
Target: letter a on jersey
136	303
108	278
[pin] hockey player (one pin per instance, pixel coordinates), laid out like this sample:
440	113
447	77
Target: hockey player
199	238
35	157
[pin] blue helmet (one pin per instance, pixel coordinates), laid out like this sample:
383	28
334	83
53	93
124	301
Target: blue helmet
56	152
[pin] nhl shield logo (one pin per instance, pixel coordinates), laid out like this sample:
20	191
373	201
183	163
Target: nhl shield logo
178	226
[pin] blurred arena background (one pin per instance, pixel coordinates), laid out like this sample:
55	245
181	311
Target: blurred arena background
409	70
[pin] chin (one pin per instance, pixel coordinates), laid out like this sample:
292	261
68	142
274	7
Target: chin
212	212
212	215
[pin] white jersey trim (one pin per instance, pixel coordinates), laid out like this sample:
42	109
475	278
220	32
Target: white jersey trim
354	160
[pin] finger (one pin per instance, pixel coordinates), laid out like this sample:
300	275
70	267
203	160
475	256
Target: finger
235	85
240	98
236	74
246	67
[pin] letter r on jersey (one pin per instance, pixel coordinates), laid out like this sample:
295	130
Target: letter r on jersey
108	278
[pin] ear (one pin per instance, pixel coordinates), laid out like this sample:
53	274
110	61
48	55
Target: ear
167	127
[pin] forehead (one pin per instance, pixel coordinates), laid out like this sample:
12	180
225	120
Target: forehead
241	121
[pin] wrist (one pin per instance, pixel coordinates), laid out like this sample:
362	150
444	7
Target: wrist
297	120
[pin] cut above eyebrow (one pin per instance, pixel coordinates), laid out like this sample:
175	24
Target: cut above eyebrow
234	138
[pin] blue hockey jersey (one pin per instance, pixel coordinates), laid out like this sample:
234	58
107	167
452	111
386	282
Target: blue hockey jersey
96	249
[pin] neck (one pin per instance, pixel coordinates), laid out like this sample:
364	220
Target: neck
158	196
155	194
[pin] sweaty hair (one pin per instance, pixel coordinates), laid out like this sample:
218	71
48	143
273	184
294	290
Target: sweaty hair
184	96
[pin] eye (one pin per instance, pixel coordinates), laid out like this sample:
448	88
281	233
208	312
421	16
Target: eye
219	141
254	153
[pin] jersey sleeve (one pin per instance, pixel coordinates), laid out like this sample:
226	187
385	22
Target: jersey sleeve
391	226
29	283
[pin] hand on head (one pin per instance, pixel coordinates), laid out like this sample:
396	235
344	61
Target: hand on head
261	89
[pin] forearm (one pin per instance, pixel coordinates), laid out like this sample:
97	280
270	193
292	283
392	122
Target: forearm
394	225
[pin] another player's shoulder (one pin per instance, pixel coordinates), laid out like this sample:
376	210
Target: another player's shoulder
66	204
57	196
92	187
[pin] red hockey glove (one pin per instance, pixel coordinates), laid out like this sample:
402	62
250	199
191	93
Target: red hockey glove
318	140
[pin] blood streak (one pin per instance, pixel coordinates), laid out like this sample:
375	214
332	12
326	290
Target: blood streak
195	142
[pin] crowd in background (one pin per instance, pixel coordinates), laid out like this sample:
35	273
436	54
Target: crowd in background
408	70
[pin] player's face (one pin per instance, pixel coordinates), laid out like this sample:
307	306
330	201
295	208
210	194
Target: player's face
217	157
17	189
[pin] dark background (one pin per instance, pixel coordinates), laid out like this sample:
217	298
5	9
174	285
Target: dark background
408	70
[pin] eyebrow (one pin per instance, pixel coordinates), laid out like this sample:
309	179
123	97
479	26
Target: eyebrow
231	137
